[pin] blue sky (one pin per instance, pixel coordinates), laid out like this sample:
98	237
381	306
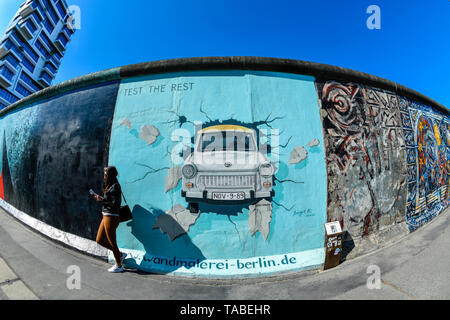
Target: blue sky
411	48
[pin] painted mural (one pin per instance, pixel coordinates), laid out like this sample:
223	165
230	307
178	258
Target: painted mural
365	156
224	168
228	173
427	146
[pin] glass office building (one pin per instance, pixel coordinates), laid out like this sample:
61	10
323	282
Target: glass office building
32	48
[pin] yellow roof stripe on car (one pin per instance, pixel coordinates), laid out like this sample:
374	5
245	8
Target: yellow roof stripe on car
225	127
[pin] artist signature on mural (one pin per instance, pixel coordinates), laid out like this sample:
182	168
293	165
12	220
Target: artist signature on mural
306	212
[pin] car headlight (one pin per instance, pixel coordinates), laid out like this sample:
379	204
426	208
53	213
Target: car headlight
266	170
189	171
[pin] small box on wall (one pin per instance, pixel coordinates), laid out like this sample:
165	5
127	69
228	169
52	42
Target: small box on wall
333	244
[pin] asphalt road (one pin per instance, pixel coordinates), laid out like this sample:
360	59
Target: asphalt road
415	267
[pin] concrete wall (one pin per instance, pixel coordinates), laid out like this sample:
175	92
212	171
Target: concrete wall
52	152
345	147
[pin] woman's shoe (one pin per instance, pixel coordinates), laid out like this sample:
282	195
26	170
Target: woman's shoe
115	269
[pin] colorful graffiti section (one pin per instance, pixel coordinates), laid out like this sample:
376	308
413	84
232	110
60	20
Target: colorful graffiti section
224	171
365	156
384	153
228	173
427	146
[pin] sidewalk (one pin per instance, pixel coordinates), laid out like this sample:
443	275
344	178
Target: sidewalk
416	267
11	287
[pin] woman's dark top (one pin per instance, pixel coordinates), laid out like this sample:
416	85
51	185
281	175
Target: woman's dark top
112	200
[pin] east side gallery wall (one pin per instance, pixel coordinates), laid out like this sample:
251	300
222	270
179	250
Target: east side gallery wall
231	165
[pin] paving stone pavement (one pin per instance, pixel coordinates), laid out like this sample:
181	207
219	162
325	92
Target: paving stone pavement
11	287
415	267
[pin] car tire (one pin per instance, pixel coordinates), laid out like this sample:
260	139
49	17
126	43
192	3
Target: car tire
193	207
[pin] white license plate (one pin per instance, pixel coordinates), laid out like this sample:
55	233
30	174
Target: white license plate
228	195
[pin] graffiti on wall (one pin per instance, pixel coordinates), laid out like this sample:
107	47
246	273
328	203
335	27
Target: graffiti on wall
427	148
228	172
365	154
53	152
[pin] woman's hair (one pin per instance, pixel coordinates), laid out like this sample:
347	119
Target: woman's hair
111	177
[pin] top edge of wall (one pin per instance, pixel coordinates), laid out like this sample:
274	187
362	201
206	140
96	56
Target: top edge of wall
69	85
317	70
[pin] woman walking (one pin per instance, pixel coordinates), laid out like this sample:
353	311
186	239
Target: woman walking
106	235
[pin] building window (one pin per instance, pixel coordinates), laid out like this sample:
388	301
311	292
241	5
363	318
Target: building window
36	16
8	96
68	31
46	77
13	61
55	60
25	46
31	26
49	66
48	26
41	48
63	39
51	11
58	55
27	64
8	74
61	10
41	10
22	90
25	78
11	46
46	40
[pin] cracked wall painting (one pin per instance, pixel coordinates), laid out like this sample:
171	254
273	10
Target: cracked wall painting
427	147
221	165
228	173
365	156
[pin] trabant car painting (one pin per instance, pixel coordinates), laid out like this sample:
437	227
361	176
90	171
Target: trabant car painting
226	167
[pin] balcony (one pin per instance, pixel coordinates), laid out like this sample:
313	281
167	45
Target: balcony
48	26
31	7
49	65
24	89
7	97
55	61
10	48
62	9
27	28
30	66
45	43
28	83
6	76
67	32
22	46
11	60
45	79
43	82
61	42
3	50
26	10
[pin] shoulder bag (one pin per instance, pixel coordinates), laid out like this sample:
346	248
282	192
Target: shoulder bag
124	211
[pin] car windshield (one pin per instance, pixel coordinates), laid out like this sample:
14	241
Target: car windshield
226	141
